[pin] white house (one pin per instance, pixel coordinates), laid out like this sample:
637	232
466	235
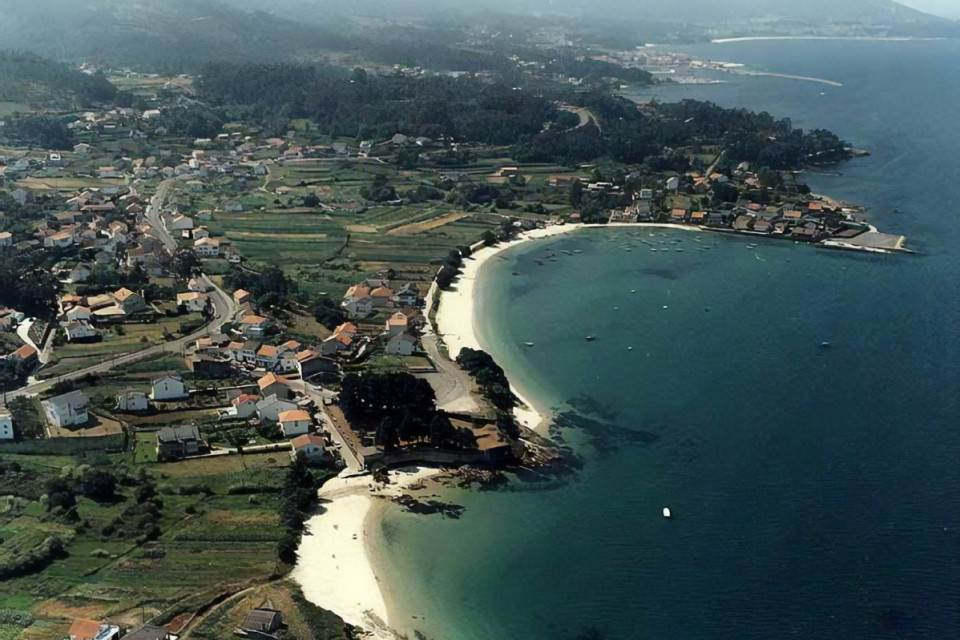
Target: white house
294	422
309	445
131	401
207	247
179	223
168	388
67	409
196	284
6	239
254	325
243	406
6	426
79	330
401	344
271	407
78	313
193	301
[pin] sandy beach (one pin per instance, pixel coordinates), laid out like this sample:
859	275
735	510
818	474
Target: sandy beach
456	319
334	568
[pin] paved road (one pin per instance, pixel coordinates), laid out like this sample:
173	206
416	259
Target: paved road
451	384
224	309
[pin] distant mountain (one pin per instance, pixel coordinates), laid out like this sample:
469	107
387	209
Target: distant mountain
701	12
153	31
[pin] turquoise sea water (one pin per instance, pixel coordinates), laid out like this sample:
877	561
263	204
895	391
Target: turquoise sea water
816	492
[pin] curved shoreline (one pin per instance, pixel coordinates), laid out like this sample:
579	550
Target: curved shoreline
457	311
335	566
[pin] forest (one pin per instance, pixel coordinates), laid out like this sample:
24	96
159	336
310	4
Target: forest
30	79
363	105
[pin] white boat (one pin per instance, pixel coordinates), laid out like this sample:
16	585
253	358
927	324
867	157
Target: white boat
528	344
666	512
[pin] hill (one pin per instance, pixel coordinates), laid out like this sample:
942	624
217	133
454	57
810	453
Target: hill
173	32
29	79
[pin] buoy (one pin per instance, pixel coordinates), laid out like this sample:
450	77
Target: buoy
666	512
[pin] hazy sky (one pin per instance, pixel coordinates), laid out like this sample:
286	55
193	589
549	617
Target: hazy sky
945	8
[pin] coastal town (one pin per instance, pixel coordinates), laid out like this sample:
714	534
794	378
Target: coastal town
202	321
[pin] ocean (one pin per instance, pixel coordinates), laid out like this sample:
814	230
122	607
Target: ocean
815	491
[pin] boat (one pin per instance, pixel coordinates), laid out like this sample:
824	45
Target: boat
591	338
666	512
653	248
528	344
578	250
629	348
824	345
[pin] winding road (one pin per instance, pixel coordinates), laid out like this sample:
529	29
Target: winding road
224	309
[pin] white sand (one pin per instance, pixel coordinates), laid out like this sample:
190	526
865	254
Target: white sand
455	317
334	567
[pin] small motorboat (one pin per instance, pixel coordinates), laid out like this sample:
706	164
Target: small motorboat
591	338
666	513
824	345
528	344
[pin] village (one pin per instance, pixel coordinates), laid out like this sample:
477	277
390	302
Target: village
213	313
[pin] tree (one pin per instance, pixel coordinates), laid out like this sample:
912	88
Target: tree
99	485
311	200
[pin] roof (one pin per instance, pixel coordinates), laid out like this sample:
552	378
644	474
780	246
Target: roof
306	439
84	629
178	434
294	415
262	620
381	292
267	351
123	294
147	632
236	346
346	327
192	295
252	319
269	379
24	352
399	319
307	355
240	293
243	398
357	291
678	213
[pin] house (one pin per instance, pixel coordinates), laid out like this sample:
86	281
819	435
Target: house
178	442
347	328
168	388
268	356
673	183
335	344
396	324
105	173
271	407
262	621
79	330
27	353
254	325
59	240
193	301
401	344
357	301
698	217
762	226
207	247
242	296
6	239
132	401
407	296
92	630
309	445
243	406
129	301
382	297
196	285
273	385
181	223
678	215
204	366
294	422
310	363
6	425
67	410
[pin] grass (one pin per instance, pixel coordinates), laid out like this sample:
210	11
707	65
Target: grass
76	356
